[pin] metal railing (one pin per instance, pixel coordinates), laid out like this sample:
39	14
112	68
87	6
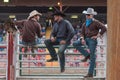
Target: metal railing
27	66
18	65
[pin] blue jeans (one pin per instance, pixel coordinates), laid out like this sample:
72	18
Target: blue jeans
51	49
92	46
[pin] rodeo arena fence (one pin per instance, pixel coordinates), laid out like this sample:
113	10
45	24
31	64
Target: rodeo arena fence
14	64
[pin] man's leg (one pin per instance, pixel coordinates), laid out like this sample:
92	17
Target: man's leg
32	46
25	48
92	46
62	56
77	44
49	46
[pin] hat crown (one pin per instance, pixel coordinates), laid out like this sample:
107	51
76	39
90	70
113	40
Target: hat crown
34	12
59	13
90	10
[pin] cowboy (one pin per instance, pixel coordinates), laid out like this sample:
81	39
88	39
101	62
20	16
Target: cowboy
61	35
31	28
91	30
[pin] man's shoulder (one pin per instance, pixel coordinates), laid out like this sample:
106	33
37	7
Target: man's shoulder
95	20
55	24
66	21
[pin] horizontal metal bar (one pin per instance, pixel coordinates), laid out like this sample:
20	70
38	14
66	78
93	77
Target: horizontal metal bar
3	44
3	53
3	68
54	77
58	68
57	76
45	60
3	60
31	61
46	53
56	46
43	46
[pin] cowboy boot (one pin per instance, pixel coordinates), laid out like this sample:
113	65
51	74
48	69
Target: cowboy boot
85	59
88	76
52	59
62	70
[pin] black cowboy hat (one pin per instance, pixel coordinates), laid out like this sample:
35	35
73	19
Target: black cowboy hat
59	13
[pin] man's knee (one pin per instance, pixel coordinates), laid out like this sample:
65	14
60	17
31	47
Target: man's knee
47	41
75	43
60	53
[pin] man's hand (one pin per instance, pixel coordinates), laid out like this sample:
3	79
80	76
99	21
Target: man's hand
62	42
95	37
53	39
83	42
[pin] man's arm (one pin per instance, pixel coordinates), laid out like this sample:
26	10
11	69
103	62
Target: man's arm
19	23
82	34
71	31
54	31
102	27
39	30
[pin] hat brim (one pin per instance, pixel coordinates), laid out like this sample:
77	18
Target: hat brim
34	15
93	13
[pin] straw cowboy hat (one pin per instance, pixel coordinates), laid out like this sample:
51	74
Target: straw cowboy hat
59	13
33	13
90	11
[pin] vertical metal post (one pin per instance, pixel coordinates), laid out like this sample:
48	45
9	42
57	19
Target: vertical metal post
10	69
17	53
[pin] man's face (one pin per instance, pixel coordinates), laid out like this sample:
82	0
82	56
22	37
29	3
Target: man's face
56	17
37	17
88	16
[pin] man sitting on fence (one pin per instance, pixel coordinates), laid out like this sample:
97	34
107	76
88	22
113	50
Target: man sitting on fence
61	35
31	28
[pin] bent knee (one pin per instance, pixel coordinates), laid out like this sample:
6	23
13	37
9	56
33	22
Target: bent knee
47	41
75	43
60	53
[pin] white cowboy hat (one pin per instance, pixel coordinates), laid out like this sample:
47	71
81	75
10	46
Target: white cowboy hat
90	11
33	13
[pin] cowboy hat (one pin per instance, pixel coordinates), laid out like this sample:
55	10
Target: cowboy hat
33	13
59	13
90	11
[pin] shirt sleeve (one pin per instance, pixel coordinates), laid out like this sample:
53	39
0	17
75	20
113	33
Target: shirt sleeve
54	30
102	27
39	30
19	23
83	30
71	31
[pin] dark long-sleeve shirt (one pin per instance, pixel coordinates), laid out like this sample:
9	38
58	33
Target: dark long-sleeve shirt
93	29
63	29
31	28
